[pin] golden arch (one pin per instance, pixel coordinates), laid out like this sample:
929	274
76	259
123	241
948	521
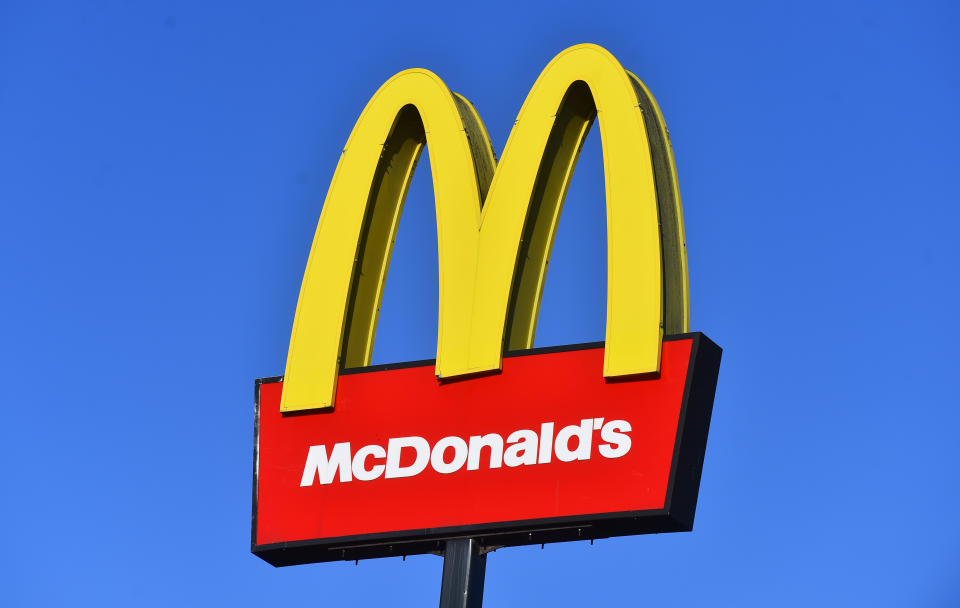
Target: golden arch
495	223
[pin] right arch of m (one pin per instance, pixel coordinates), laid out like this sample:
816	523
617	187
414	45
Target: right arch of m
495	224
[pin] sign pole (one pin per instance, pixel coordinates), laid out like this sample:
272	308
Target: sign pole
464	567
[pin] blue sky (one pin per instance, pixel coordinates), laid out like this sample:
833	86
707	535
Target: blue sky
162	169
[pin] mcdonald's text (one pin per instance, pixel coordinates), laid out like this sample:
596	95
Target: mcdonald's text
523	447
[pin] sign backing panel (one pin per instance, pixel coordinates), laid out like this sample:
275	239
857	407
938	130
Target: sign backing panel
578	483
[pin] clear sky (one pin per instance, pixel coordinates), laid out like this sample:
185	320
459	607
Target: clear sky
162	169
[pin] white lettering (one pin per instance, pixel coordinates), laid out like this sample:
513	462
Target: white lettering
477	443
459	455
394	449
319	465
546	442
523	450
584	434
524	447
360	470
610	434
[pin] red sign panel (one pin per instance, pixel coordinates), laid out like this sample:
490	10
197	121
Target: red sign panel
546	450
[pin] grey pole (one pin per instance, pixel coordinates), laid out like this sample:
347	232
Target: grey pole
464	566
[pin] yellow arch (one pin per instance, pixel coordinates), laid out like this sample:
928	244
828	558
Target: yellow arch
495	223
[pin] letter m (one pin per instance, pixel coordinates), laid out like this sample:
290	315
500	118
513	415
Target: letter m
319	465
495	223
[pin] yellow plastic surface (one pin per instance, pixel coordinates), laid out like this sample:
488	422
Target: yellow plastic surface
495	223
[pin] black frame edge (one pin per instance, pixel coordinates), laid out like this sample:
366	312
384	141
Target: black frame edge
693	429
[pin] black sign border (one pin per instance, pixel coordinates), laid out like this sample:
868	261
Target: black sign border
677	516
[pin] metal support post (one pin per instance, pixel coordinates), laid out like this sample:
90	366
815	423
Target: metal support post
464	566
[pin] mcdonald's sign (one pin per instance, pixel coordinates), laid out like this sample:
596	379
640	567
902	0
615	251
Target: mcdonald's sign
495	439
